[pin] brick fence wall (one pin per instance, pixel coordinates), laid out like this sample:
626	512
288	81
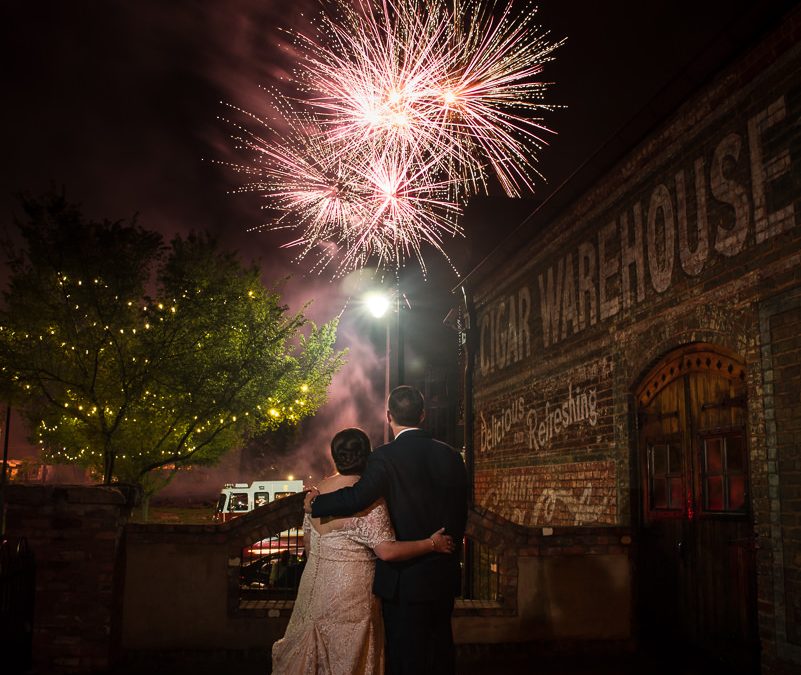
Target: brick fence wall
111	594
182	584
560	585
74	532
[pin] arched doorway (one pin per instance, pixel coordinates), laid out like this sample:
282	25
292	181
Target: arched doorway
697	554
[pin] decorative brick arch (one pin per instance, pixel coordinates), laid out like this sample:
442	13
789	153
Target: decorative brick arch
695	357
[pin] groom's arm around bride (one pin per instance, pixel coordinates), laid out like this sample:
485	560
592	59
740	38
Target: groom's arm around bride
424	483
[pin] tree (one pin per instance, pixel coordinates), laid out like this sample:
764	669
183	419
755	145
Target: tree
136	359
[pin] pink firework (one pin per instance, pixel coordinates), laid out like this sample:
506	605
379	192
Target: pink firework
404	108
348	207
404	206
457	80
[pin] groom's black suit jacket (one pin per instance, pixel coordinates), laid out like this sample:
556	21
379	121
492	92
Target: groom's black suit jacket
424	483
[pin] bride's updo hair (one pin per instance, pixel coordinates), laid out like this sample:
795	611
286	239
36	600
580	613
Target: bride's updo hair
350	449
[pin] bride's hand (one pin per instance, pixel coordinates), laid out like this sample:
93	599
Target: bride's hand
311	495
442	543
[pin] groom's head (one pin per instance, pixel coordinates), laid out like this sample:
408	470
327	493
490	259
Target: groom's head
405	406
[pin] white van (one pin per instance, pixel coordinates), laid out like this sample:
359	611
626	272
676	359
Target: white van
238	498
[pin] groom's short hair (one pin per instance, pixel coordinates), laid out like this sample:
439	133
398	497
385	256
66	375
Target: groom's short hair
406	405
350	449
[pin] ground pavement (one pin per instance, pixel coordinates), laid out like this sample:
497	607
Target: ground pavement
495	660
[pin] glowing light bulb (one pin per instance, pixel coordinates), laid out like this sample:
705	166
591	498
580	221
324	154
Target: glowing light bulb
377	304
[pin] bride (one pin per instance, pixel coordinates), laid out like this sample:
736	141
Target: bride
336	626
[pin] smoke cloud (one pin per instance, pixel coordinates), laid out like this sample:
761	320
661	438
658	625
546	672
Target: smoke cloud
356	398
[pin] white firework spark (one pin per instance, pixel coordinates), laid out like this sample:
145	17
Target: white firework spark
405	107
457	81
349	206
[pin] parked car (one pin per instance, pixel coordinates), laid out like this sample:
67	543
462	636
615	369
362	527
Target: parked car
281	569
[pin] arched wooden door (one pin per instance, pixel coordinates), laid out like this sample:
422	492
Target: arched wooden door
697	554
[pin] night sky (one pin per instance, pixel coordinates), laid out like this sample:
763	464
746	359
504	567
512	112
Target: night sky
119	102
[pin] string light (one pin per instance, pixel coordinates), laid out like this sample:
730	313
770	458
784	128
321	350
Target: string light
72	435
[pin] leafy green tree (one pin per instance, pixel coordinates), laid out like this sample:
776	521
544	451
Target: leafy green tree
135	359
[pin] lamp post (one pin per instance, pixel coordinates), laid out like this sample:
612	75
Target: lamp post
377	305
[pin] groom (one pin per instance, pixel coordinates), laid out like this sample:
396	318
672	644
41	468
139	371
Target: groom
424	483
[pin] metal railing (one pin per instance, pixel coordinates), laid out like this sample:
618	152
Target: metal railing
17	593
481	578
270	569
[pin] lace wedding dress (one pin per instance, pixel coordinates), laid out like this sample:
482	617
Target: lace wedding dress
336	626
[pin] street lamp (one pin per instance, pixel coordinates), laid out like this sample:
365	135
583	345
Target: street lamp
377	304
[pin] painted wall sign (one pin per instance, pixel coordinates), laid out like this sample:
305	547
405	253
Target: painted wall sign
715	205
549	414
579	493
537	426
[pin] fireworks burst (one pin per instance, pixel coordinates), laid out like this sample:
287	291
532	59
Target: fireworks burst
404	108
350	206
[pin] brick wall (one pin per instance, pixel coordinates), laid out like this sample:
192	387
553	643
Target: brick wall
74	533
780	490
571	494
786	344
689	232
693	237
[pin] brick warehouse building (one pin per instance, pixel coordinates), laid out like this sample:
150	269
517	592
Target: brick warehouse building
634	361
